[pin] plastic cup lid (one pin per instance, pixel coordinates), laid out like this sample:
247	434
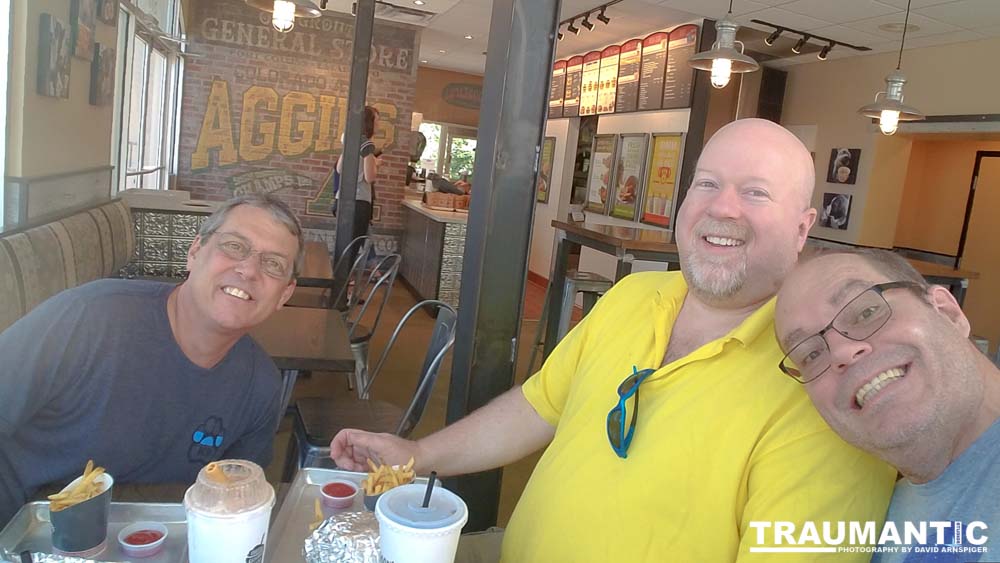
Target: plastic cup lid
403	505
241	489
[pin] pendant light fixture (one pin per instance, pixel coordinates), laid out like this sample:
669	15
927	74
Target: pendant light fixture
284	12
723	59
890	110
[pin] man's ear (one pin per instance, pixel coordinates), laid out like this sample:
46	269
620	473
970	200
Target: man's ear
286	294
945	303
806	221
193	252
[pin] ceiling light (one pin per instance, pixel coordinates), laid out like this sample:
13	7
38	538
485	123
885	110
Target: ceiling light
602	17
572	28
800	44
419	2
770	39
468	37
825	51
284	12
586	23
723	59
890	110
559	35
442	51
423	61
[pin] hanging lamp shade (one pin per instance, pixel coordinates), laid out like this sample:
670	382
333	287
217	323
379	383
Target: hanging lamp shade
724	48
892	100
303	8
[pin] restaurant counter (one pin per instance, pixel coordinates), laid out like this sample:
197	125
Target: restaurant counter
432	247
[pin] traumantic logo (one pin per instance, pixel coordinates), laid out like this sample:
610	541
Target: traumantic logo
865	537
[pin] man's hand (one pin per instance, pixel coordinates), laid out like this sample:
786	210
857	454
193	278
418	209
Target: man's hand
350	450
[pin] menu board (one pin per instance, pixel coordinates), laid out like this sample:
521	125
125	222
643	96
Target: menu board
557	89
574	77
661	179
628	76
652	68
609	79
628	175
545	168
591	81
601	167
680	76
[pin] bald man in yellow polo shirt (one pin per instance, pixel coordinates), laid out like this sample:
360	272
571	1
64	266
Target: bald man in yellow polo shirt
670	433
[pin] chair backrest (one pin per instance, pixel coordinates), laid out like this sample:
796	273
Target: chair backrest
363	246
442	339
377	288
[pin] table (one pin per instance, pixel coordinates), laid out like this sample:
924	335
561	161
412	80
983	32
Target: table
303	338
317	270
629	243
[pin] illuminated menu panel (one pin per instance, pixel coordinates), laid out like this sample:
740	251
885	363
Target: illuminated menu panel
574	80
557	89
591	81
628	76
680	75
608	85
654	64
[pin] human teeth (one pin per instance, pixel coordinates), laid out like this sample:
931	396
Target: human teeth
723	241
236	292
871	388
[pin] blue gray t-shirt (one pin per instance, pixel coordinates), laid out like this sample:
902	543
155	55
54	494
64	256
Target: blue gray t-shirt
95	373
968	491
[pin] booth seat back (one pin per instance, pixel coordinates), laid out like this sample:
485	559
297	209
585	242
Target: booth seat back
39	262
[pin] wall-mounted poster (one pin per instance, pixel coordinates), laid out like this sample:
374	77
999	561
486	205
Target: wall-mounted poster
591	82
102	75
601	172
84	19
843	166
574	78
661	179
54	48
108	12
557	89
836	211
628	175
609	79
628	76
654	65
680	76
545	169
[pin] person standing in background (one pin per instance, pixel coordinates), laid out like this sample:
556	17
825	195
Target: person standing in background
367	171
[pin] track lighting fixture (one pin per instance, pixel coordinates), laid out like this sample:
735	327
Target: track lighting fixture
770	39
586	23
825	51
572	28
800	44
602	17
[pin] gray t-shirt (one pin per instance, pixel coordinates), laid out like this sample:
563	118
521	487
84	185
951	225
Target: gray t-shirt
968	491
364	192
95	372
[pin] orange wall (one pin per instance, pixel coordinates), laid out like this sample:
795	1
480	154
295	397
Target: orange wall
935	194
431	83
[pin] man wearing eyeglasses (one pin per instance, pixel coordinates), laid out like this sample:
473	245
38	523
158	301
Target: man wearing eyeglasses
886	359
667	426
151	380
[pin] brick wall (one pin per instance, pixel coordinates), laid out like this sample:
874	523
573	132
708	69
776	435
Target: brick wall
264	111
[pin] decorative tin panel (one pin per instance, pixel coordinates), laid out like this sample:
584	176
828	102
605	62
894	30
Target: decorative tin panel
451	264
450	282
185	226
137	222
179	249
450	297
154	269
178	271
156	250
155	224
453	246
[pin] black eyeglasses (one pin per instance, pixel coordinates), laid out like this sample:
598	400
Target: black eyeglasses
858	320
619	437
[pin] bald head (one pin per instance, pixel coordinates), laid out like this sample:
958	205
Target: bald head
761	138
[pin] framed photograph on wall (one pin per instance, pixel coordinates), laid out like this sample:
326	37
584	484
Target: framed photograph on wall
600	180
54	45
836	212
661	179
545	169
843	166
631	163
84	20
102	76
108	12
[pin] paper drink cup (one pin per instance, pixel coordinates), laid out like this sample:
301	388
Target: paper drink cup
409	533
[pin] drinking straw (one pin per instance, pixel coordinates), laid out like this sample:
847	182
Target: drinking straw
430	489
26	557
214	472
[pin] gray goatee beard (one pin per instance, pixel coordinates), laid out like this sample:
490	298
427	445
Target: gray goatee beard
713	278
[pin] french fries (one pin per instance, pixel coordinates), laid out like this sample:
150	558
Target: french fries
381	478
88	487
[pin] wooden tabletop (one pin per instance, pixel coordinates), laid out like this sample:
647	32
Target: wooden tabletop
626	238
316	264
930	269
306	339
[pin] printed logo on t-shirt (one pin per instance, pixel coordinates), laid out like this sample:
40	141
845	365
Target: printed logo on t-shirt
207	440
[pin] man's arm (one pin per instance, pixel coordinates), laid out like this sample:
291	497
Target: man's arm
503	431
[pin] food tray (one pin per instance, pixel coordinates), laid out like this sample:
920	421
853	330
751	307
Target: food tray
30	529
290	529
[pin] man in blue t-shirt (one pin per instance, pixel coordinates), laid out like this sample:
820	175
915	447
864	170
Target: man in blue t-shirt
886	359
151	380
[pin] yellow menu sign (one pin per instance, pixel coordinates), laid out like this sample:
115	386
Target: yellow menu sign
661	179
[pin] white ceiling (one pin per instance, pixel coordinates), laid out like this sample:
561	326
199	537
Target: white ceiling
940	22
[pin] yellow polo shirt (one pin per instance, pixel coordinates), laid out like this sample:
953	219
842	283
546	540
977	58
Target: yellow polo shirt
722	439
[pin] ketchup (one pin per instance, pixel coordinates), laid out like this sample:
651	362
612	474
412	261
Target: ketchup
338	490
143	537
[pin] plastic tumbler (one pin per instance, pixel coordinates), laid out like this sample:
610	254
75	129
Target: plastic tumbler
409	533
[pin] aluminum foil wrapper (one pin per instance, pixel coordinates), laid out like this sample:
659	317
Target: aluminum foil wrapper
52	558
346	537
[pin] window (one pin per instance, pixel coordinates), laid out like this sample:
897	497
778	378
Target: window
4	63
451	149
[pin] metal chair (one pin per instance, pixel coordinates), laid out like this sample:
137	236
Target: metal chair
317	297
356	274
317	421
377	287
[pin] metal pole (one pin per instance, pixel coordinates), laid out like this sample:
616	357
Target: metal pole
511	126
364	24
